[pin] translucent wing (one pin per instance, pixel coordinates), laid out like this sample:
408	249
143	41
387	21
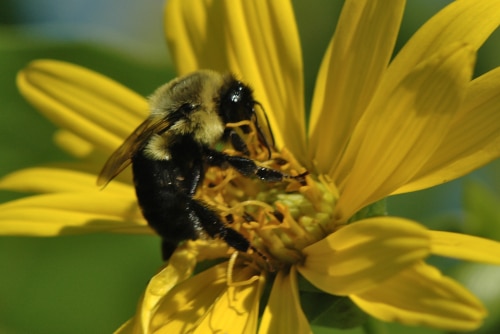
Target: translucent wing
122	157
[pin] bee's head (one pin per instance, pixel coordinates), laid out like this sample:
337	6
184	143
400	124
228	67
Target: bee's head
237	104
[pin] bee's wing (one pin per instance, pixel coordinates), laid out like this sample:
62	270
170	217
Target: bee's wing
122	157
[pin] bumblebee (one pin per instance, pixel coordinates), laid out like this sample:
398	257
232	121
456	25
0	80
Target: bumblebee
172	149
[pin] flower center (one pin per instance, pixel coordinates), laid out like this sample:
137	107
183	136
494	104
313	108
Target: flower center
278	218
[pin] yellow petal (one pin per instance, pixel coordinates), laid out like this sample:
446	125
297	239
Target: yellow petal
94	107
193	28
208	303
465	247
466	21
283	313
402	128
179	268
352	67
474	138
363	254
54	180
72	213
236	310
422	296
256	40
73	144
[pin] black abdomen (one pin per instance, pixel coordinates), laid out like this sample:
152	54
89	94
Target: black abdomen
163	201
165	190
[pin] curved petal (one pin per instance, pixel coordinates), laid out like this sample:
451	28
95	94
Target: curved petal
195	35
180	266
207	302
237	309
94	107
283	313
350	72
54	180
256	40
72	213
474	138
363	254
73	144
402	128
422	296
466	21
465	247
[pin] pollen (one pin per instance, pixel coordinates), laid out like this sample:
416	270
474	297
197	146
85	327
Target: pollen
278	218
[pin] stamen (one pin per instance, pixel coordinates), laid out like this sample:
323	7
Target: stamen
253	203
279	219
230	268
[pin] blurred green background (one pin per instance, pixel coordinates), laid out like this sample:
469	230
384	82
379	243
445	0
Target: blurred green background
90	284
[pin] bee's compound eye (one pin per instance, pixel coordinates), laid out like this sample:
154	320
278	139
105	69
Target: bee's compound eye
235	95
237	103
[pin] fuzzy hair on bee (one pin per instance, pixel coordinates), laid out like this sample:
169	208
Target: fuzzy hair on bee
172	149
196	96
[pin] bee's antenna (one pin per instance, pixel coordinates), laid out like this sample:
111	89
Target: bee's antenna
260	133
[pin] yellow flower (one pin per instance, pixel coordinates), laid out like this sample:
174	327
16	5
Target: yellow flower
377	127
